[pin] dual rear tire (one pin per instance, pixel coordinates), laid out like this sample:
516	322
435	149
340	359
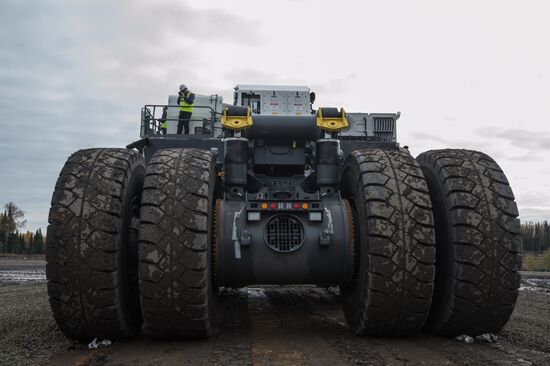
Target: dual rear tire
449	273
92	249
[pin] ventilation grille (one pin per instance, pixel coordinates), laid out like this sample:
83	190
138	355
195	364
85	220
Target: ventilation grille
383	128
284	233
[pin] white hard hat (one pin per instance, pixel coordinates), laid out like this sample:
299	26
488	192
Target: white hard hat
182	87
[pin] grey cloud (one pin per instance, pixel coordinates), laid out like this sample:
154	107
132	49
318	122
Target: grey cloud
524	139
424	137
136	41
251	76
494	149
533	214
337	85
529	157
533	199
74	75
127	21
162	18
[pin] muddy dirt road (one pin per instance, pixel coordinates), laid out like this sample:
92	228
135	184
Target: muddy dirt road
22	270
270	326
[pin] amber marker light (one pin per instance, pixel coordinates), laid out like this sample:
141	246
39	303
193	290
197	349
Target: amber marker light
263	205
305	205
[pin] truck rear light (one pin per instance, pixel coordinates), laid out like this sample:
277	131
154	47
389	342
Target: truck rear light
263	205
305	205
296	205
272	205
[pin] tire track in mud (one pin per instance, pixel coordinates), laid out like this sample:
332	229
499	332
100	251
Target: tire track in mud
233	341
311	321
282	333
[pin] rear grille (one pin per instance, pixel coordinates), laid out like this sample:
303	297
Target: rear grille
384	128
284	233
383	124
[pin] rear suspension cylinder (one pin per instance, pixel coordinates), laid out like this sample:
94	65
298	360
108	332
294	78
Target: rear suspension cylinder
328	161
236	161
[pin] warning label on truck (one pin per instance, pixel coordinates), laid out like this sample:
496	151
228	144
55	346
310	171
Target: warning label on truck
274	108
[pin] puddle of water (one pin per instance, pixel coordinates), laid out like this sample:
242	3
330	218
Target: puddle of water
258	293
22	276
535	284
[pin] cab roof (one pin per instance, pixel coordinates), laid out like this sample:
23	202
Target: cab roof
299	88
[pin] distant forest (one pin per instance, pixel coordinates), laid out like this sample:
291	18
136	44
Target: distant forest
536	236
24	243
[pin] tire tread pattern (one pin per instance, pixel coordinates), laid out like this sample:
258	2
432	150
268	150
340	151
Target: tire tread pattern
399	243
174	256
83	251
477	284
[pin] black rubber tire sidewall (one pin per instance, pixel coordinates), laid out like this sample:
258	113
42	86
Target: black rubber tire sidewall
478	259
86	301
387	298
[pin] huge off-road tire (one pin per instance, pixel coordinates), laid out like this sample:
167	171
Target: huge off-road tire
394	243
91	249
177	293
478	243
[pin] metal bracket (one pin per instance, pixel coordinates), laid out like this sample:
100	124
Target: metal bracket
236	123
332	123
324	238
246	239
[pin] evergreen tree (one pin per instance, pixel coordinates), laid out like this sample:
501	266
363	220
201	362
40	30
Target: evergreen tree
29	240
38	242
536	236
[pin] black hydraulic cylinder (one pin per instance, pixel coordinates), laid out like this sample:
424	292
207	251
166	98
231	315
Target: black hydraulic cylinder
283	128
236	161
328	162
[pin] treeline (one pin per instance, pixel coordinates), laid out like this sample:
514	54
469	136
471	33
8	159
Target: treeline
12	239
536	236
24	243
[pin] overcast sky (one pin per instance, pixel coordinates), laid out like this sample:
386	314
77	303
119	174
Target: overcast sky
473	74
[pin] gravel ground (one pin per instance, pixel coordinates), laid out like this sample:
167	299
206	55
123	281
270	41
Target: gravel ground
273	325
28	333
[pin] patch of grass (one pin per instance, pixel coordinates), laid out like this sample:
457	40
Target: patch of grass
537	262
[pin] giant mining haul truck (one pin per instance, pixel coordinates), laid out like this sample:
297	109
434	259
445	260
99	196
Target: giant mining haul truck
269	191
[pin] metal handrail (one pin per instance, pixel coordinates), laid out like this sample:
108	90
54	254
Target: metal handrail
151	118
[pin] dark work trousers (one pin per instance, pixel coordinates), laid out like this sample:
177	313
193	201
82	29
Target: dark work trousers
183	122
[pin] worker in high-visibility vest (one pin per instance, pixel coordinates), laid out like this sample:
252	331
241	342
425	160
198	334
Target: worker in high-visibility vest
163	124
185	101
